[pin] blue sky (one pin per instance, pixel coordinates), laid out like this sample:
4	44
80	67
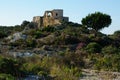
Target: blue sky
13	12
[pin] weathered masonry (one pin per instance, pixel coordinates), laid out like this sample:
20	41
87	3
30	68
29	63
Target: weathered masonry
50	18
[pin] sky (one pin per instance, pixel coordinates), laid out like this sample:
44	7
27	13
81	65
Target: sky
14	12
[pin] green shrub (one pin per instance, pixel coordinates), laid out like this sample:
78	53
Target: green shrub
6	77
108	62
65	73
31	68
110	50
10	66
49	29
93	47
31	43
42	73
117	33
3	34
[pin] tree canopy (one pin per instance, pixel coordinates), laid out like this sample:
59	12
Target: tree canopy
97	20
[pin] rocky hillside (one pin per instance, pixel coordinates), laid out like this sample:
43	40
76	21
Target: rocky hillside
59	52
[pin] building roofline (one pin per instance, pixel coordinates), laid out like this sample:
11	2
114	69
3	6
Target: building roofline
57	9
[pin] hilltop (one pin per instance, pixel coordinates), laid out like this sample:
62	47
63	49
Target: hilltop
57	52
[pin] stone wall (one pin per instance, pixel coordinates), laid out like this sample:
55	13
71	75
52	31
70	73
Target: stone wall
50	18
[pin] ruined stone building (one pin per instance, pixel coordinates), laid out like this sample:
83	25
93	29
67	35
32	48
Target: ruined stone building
50	18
